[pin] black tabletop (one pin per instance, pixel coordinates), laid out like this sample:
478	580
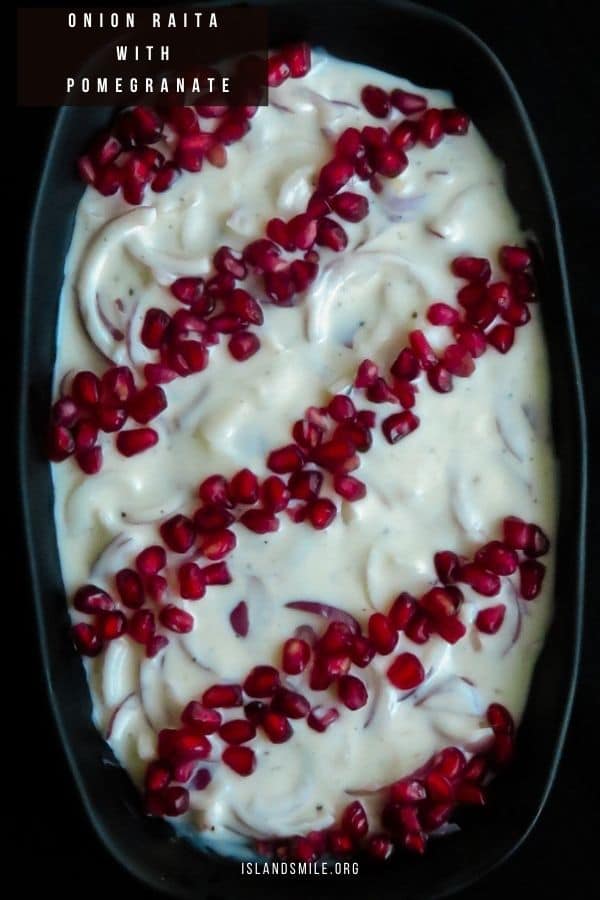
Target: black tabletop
548	48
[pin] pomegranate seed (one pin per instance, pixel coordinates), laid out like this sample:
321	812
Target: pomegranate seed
516	313
185	743
147	404
406	365
320	718
406	672
399	425
178	533
500	295
383	635
129	586
226	260
331	234
422	350
349	144
237	731
441	602
275	494
148	124
154	329
500	719
367	374
212	517
277	231
110	419
362	651
498	558
117	386
276	727
352	692
502	337
243	487
445	565
109	180
431	128
188	290
254	711
502	750
89	460
408	103
214	490
157	776
86	639
111	625
65	412
470	794
440	379
201	779
190	152
450	628
302	850
165	178
380	392
175	801
470	337
222	695
159	374
307	434
402	611
86	389
405	392
285	459
261	521
482	581
418	628
349	488
389	162
243	345
91	599
217	544
407	791
514	259
191	581
279	287
455	121
303	273
341	408
141	626
302	231
334	175
380	847
321	513
156	643
263	255
351	207
262	681
354	820
201	719
339	844
531	576
415	842
290	704
537	542
404	136
136	440
241	304
278	70
516	533
523	287
458	361
375	100
298	58
332	667
442	314
472	268
296	654
475	769
333	454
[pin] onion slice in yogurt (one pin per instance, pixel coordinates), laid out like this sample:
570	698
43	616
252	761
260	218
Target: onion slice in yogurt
326	611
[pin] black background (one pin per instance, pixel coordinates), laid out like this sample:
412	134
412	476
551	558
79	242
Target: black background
549	50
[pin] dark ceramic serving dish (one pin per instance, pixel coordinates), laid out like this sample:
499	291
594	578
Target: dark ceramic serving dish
430	50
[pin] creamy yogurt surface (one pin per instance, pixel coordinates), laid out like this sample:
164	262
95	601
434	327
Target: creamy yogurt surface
482	452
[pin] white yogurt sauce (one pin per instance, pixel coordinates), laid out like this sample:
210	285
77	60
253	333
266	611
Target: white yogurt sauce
482	452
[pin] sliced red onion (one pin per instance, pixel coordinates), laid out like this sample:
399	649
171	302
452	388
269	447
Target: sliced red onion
326	611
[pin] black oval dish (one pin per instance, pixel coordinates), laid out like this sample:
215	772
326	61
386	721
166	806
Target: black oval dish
432	50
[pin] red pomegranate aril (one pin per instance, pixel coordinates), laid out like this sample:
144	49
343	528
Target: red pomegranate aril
295	656
379	847
183	770
516	532
442	314
502	750
191	581
458	361
473	294
217	544
156	643
117	386
278	232
498	558
154	329
148	124
366	418
89	460
331	234
237	731
263	254
339	843
133	191
406	672
178	533
475	769
243	487
482	581
422	350
445	563
202	719
187	290
399	425
332	667
185	744
455	121
254	711
440	602
261	521
302	850
334	175
159	374
431	127
450	628
215	490
332	454
141	626
226	260
165	178
285	459
352	692
91	599
514	259
298	58
274	493
502	337
351	207
367	374
190	152
241	304
109	180
516	314
136	440
278	70
321	513
381	392
157	776
279	287
470	794
111	625
336	639
402	611
440	379
389	162
537	543
439	788
362	651
382	633
415	842
407	791
303	272
212	517
471	338
349	144
375	100
222	696
500	295
307	434
523	287
276	727
408	103
531	576
320	718
130	588
473	268
232	129
156	588
348	487
302	231
320	675
490	619
174	801
86	639
201	779
354	820
86	389
500	719
418	628
290	704
147	404
317	207
261	682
